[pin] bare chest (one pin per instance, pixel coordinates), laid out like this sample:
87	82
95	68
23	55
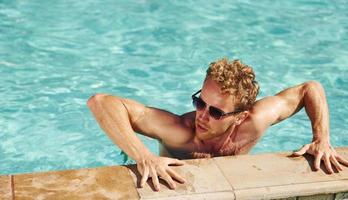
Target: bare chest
238	144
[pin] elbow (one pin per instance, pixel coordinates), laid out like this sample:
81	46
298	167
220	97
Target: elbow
95	99
313	85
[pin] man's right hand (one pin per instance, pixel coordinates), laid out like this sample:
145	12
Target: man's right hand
154	166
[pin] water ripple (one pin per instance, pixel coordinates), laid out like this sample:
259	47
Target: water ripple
53	57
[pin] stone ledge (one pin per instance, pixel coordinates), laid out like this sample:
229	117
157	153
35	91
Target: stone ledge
202	176
263	176
5	187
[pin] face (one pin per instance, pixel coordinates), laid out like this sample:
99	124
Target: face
206	126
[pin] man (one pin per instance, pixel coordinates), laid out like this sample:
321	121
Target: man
227	121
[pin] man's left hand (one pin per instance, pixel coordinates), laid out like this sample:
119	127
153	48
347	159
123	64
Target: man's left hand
322	150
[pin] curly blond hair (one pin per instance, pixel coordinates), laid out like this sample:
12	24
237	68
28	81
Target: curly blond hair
237	79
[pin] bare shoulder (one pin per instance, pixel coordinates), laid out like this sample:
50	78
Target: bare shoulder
265	111
250	128
265	104
188	119
260	115
249	132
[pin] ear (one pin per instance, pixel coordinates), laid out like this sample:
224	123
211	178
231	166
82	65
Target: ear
241	117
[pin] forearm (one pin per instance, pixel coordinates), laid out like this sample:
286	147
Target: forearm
317	110
113	117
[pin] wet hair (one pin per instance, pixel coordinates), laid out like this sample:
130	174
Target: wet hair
237	79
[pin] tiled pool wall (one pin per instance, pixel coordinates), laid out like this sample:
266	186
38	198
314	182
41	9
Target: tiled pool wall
262	176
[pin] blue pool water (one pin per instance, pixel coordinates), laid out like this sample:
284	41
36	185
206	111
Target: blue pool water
55	54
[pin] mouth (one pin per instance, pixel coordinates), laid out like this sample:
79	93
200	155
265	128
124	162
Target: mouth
201	128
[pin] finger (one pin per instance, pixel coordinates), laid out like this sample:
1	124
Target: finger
155	179
175	175
145	176
342	160
317	160
176	162
336	163
302	151
140	167
328	163
168	179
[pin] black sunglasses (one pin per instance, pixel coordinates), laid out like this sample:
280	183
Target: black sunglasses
214	112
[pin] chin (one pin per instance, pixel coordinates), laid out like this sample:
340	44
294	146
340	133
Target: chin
202	135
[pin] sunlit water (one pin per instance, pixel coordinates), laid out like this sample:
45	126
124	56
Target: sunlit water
55	54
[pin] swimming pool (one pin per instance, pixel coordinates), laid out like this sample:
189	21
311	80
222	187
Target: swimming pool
55	54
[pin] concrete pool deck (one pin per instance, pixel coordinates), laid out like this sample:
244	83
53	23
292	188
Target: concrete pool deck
261	176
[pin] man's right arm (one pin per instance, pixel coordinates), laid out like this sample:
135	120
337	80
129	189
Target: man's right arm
120	117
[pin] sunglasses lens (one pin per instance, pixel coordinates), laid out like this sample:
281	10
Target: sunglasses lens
198	103
215	113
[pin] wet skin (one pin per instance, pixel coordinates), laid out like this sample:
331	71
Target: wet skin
196	134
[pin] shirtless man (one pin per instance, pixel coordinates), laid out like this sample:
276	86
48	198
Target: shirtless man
227	121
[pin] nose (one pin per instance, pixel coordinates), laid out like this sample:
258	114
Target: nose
204	115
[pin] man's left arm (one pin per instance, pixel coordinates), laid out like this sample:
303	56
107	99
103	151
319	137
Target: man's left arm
311	96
